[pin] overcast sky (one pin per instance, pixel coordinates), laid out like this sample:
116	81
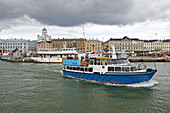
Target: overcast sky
102	19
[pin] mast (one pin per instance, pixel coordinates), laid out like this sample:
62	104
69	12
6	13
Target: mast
84	44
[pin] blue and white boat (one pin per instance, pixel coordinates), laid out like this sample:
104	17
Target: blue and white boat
107	70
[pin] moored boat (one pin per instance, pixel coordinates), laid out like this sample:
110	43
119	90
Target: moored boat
54	55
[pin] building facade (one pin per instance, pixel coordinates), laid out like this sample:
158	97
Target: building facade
124	44
43	45
77	43
8	45
93	45
157	45
166	45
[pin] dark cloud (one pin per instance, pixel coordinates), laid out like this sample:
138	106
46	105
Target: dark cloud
76	12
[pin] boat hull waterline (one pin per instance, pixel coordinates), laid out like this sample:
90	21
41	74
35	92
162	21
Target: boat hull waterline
111	77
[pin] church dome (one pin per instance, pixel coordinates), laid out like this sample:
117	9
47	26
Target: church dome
44	29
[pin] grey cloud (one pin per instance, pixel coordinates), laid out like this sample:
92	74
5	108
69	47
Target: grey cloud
77	12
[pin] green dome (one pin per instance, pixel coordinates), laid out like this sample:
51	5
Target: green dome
44	29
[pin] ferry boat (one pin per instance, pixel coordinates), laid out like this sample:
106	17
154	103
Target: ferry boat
54	55
107	70
114	71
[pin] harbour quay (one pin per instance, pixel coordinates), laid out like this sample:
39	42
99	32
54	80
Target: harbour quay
148	59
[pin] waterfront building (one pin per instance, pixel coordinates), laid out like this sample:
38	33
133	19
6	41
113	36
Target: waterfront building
43	45
166	46
77	43
9	45
157	45
147	45
93	45
43	41
124	44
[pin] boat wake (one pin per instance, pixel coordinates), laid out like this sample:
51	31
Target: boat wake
57	71
143	84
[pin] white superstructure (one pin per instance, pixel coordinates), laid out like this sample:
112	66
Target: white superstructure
54	55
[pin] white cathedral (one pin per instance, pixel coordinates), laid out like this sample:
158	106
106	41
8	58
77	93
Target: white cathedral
44	36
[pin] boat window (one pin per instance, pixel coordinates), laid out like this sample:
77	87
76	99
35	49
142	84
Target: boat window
78	68
86	69
108	61
117	68
114	61
111	69
133	69
125	61
71	68
143	67
118	61
81	69
96	73
121	61
97	62
91	62
139	67
94	62
68	67
65	67
90	69
125	69
74	68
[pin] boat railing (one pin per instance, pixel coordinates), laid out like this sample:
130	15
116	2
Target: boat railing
109	62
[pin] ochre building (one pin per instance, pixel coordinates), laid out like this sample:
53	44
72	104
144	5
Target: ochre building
77	43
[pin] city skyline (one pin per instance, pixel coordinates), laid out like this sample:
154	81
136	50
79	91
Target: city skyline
144	19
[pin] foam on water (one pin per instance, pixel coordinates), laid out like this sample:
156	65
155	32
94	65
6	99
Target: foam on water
143	84
137	85
57	71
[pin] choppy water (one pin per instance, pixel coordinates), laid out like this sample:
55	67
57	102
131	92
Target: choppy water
41	88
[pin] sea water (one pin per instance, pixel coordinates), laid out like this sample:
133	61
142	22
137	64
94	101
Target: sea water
41	88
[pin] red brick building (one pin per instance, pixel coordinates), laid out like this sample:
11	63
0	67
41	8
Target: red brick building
43	45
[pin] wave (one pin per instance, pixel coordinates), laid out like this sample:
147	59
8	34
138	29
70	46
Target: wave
57	71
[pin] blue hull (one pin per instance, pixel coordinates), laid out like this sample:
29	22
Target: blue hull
114	78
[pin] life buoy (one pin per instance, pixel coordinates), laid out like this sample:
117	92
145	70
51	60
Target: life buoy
85	63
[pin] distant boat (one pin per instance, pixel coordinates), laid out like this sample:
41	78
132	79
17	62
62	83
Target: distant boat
54	55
